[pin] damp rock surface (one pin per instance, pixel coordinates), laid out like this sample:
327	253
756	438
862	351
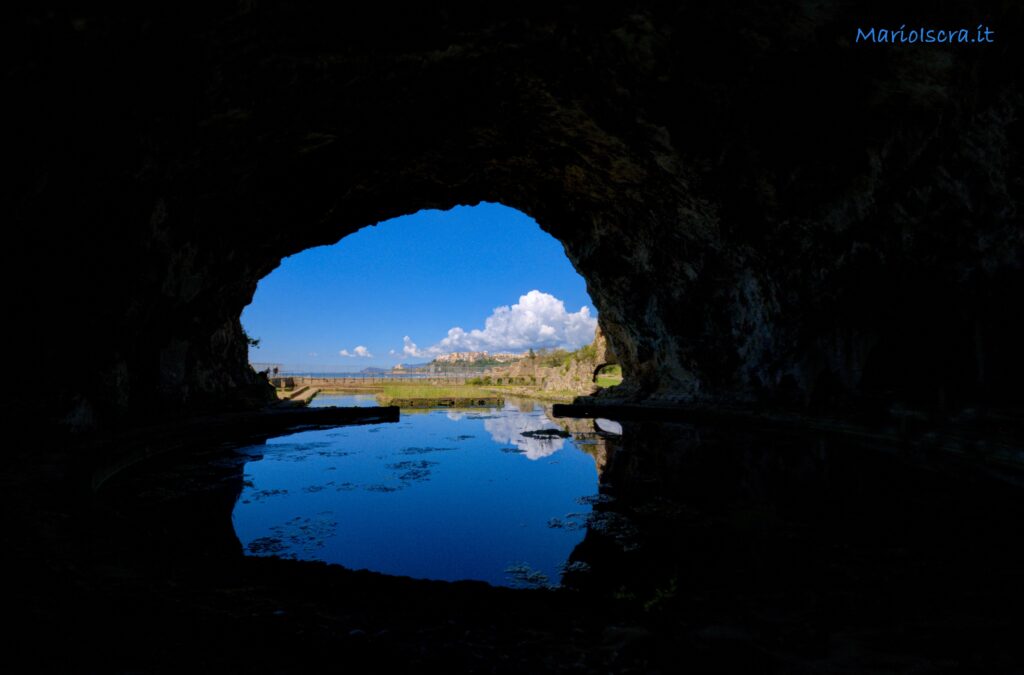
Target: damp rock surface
763	209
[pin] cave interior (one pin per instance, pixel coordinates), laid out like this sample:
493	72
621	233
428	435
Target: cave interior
806	253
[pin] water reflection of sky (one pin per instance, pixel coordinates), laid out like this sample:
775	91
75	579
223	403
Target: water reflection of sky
441	495
344	400
508	428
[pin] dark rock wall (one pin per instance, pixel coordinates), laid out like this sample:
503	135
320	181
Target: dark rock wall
763	211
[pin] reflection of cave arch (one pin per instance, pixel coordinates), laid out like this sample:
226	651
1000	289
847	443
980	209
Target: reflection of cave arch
607	428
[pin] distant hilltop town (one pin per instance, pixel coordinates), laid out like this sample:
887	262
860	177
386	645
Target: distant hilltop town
460	361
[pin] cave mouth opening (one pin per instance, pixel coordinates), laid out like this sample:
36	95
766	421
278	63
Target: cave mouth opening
470	320
466	290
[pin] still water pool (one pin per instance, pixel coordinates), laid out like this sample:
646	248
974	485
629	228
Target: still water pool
442	494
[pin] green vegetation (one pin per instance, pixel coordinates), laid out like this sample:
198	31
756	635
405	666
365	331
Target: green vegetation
433	391
586	353
251	341
552	358
436	395
562	358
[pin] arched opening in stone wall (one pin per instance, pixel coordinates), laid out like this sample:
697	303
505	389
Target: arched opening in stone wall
688	249
471	291
472	322
608	375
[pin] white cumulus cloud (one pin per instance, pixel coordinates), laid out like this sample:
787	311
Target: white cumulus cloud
509	428
537	321
360	351
409	348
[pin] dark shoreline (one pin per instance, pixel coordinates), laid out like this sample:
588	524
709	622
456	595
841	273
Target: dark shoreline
730	575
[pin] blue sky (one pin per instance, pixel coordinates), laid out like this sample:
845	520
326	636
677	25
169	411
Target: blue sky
407	284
